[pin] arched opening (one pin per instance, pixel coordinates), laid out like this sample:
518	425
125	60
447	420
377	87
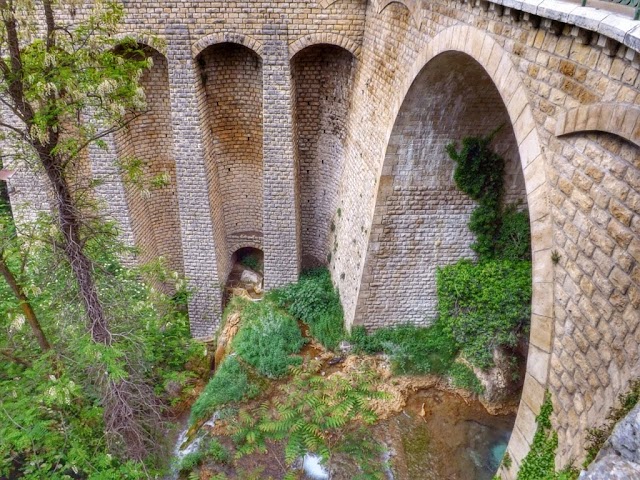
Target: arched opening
146	146
322	78
421	219
231	82
246	277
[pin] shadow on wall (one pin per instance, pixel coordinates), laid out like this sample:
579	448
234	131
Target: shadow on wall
231	80
153	206
322	79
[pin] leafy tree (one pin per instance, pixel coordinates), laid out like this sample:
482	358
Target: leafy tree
57	71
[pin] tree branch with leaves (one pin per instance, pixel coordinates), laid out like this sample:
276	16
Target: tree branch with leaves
53	74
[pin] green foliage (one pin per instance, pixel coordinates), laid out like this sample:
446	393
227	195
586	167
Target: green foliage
50	428
513	241
463	377
217	452
51	424
231	383
596	437
485	305
191	461
507	461
479	173
539	464
267	339
314	301
309	408
84	72
418	351
365	452
413	350
500	232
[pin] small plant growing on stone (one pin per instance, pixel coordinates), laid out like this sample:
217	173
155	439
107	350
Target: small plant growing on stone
506	461
555	257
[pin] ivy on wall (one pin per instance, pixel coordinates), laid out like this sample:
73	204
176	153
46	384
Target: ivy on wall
502	231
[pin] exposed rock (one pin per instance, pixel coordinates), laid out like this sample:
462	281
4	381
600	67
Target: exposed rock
612	467
345	347
229	331
251	277
625	439
619	457
499	384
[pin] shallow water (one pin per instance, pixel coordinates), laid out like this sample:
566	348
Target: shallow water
454	440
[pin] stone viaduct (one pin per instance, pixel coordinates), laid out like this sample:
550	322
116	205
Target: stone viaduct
315	131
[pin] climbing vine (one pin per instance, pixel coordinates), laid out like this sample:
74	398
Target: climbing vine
502	231
539	464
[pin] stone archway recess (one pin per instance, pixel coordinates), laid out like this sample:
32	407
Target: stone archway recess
324	39
227	37
498	65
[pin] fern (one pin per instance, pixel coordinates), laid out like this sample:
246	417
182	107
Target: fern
306	412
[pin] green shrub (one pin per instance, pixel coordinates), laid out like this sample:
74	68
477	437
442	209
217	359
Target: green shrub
514	238
501	231
484	305
314	301
479	173
463	377
230	384
217	452
539	464
191	461
413	350
267	340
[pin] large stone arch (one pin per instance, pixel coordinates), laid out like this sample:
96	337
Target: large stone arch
497	64
226	37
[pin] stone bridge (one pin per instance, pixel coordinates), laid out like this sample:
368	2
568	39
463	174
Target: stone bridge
315	131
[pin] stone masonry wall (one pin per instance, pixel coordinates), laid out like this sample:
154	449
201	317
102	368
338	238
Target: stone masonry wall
560	69
232	76
322	77
149	138
542	69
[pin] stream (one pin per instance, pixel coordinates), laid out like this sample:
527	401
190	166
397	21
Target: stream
456	439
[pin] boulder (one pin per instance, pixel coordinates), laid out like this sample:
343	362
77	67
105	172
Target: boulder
612	467
499	382
625	439
251	277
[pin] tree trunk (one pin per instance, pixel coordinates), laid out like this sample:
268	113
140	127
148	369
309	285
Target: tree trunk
81	266
25	305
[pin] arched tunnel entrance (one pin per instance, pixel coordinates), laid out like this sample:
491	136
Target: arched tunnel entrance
247	274
421	219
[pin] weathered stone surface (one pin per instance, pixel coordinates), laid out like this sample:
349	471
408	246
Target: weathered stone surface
625	438
612	467
249	276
